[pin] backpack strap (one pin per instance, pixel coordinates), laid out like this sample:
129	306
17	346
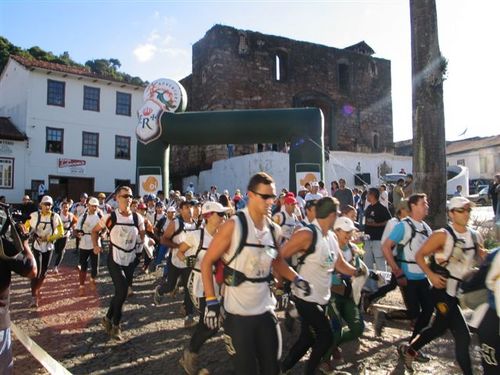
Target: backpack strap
243	237
111	222
180	229
284	218
312	247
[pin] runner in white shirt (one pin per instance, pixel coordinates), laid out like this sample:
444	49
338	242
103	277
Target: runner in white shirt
83	230
192	250
317	262
247	245
125	229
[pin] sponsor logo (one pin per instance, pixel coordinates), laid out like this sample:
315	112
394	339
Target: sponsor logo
161	95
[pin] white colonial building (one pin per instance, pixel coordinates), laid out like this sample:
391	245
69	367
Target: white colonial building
67	127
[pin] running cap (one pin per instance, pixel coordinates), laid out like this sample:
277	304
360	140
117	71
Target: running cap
344	223
213	207
302	188
141	206
314	183
93	202
459	202
171	209
160	204
101	195
84	195
47	199
290	200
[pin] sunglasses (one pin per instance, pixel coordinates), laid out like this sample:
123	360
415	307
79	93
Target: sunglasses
462	210
221	214
127	196
265	196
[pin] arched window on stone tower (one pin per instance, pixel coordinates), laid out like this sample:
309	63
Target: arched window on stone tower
280	66
343	76
375	141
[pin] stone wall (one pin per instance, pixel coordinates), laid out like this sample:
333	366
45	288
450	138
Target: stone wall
237	69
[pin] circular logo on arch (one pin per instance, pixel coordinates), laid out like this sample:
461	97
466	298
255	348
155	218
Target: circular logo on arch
161	95
167	93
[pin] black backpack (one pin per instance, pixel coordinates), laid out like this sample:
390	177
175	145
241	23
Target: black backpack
312	247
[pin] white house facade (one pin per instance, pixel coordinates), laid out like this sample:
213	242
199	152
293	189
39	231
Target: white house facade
79	129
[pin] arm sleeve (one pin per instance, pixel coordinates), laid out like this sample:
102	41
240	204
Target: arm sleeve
58	228
397	233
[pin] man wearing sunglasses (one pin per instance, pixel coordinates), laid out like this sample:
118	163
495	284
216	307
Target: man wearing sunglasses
126	228
453	251
246	243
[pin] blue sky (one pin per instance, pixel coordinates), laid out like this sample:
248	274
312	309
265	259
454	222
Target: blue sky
153	39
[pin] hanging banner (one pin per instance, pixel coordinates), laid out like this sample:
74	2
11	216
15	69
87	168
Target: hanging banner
149	184
71	166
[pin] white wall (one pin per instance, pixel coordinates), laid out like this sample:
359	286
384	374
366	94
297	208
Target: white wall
234	173
17	151
14	93
472	161
31	102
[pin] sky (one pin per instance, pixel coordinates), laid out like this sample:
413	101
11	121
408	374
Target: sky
153	39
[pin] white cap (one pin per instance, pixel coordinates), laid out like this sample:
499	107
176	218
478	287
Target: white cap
314	183
302	188
459	202
213	207
171	209
47	199
93	202
344	223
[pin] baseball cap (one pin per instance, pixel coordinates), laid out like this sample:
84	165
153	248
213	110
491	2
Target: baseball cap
47	199
290	200
344	223
93	202
459	202
84	195
314	183
302	188
213	207
194	202
141	206
171	209
101	195
159	204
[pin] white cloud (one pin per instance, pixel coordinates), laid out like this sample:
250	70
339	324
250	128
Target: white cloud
145	52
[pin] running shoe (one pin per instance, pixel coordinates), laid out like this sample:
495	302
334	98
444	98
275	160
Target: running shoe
106	323
422	357
189	362
379	322
157	296
116	333
189	321
406	356
34	301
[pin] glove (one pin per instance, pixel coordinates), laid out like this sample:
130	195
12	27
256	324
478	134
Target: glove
302	285
282	299
212	314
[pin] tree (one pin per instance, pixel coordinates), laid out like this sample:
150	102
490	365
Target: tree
429	145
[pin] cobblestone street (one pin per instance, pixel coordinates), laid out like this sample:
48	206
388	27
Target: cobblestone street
67	327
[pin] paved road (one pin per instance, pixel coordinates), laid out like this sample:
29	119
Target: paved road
67	326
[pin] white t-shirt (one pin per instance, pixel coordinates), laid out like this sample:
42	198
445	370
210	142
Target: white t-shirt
125	235
44	229
179	238
318	267
311	196
250	298
89	224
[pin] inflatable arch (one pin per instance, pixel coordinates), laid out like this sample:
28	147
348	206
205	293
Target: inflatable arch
162	123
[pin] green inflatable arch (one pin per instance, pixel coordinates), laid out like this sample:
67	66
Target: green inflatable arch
301	127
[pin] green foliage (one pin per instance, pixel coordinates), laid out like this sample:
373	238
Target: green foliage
102	67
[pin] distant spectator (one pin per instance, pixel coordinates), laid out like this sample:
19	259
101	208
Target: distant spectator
458	192
409	186
213	195
41	189
2	199
322	189
398	193
344	195
314	192
384	196
493	192
334	186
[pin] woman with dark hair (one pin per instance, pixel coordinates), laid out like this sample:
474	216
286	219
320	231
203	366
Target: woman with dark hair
334	186
226	202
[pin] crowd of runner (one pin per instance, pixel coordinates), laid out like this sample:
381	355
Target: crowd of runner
323	257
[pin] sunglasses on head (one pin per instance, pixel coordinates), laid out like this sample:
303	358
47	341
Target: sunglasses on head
462	210
265	196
